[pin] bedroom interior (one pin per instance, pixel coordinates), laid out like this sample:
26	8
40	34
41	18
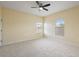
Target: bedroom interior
39	29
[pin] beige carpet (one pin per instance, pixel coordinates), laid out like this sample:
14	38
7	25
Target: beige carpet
40	48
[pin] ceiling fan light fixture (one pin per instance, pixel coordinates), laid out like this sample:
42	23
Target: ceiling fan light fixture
41	8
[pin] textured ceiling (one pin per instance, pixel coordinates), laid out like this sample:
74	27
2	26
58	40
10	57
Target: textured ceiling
25	6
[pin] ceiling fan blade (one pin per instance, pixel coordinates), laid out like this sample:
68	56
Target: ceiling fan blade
34	7
45	9
37	2
46	5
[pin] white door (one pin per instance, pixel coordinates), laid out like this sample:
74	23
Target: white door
0	31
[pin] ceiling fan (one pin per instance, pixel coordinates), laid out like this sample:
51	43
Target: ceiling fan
41	6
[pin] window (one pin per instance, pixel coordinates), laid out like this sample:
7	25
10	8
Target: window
38	27
59	27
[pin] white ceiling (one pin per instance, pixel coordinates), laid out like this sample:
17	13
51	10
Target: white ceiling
25	6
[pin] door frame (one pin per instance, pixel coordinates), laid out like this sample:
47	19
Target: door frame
1	41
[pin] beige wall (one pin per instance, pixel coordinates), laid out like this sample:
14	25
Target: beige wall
0	11
71	18
18	26
0	25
